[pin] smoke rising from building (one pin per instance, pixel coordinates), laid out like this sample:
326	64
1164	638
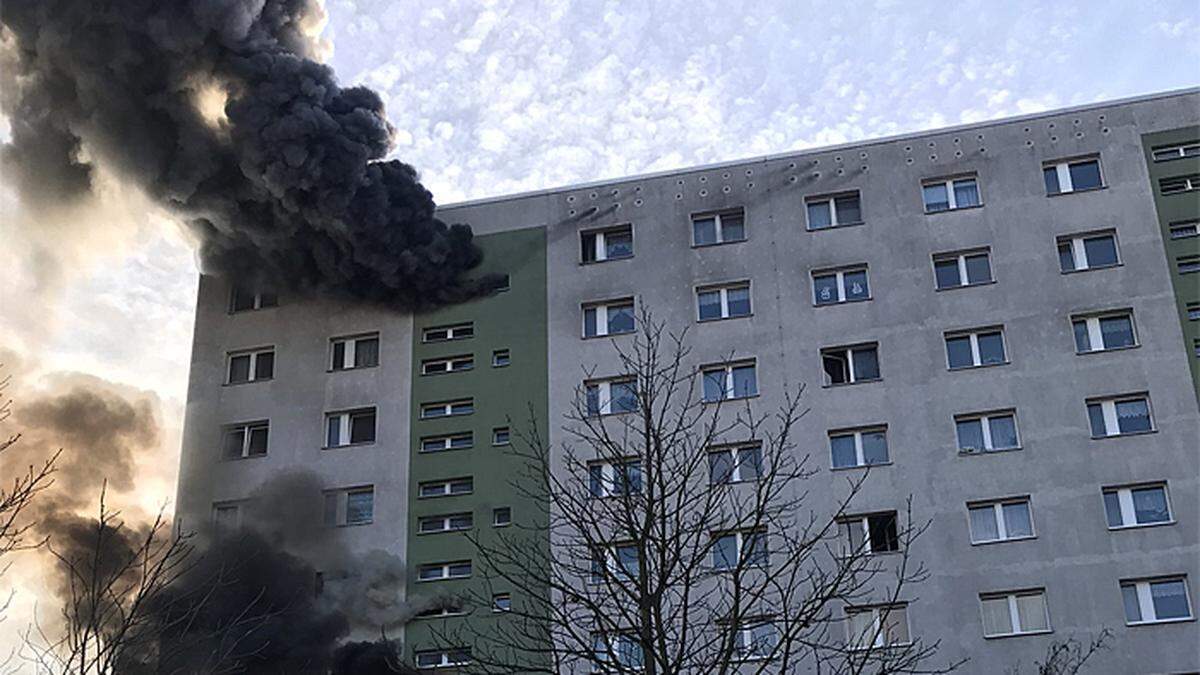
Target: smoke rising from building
218	111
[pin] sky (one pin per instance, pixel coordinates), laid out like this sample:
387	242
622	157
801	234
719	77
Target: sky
501	96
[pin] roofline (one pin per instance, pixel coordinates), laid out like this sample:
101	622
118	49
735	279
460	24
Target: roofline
825	148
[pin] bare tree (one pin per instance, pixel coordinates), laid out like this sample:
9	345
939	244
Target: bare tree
1068	657
680	538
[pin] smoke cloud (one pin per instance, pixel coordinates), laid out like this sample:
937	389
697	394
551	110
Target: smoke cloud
218	110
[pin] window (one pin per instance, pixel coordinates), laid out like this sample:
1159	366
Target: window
725	227
1188	264
1137	505
245	300
453	522
1000	520
614	243
948	194
248	439
611	397
613	317
501	358
446	488
859	447
1119	415
611	479
1087	252
355	352
1185	230
502	517
1176	184
453	364
1017	613
833	210
447	606
750	547
351	506
975	348
1166	153
878	626
988	432
730	380
621	649
735	464
464	406
501	436
350	428
966	268
832	287
617	562
850	365
443	659
1072	175
1156	600
251	366
871	533
1193	311
754	640
504	284
460	569
723	302
1103	332
226	517
502	602
460	441
458	331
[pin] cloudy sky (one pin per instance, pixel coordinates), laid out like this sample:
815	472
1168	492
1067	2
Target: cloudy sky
500	96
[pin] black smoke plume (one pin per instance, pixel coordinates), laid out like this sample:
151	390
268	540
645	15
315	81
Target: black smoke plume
285	184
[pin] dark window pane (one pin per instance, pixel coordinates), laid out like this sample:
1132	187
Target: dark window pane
966	193
624	397
629	476
745	381
970	435
704	231
362	427
258	441
844	454
264	366
1096	419
1112	509
1004	432
825	289
592	395
1117	332
1170	600
1129	597
1100	251
848	210
618	245
589	322
819	215
946	272
755	545
366	352
234	440
333	435
720	467
983	523
242	300
725	552
239	368
958	352
588	247
883	533
714	385
837	368
1150	505
710	304
1066	258
1085	175
267	299
749	462
1133	416
991	348
875	450
620	319
1017	521
739	301
1083	339
979	269
856	285
1050	174
866	364
596	480
733	227
936	198
339	355
360	507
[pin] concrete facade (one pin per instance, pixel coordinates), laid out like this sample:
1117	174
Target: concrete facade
1059	466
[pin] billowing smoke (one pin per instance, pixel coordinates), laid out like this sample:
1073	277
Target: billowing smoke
218	110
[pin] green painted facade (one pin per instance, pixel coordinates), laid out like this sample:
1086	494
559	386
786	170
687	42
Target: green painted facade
1175	209
514	320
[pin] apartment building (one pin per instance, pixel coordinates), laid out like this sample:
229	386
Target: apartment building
1002	319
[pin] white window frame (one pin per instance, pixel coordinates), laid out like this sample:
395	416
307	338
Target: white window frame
1128	511
1062	169
973	335
985	420
445	571
1096	336
445	523
608	476
253	353
613	651
1184	229
349	348
445	486
342	495
1166	153
863	522
501	436
839	275
345	417
951	199
446	659
732	450
743	639
1079	252
997	507
961	258
447	408
1188	183
601	308
718	217
447	442
723	290
834	219
857	433
1187	264
1146	599
728	368
501	602
501	358
455	331
877	613
1112	424
848	353
1014	614
604	394
600	243
496	522
448	365
245	428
